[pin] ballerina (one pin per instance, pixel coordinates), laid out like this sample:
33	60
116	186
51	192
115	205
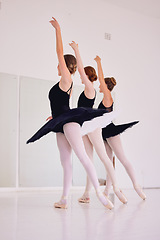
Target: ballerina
94	139
111	132
71	124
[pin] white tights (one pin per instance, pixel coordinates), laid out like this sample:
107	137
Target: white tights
89	150
95	139
65	151
114	143
72	139
73	135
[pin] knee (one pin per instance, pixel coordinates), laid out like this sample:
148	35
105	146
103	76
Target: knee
85	161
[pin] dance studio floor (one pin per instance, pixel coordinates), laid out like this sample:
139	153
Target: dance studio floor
31	216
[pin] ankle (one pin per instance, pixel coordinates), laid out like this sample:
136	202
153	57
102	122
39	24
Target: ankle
86	194
106	191
64	199
136	185
116	188
98	191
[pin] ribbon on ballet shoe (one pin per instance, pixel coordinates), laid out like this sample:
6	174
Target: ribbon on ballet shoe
120	195
106	192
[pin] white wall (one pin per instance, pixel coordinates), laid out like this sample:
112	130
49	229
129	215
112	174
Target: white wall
27	47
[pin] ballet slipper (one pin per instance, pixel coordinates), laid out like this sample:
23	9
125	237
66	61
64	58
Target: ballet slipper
139	191
62	203
120	195
102	182
84	200
104	200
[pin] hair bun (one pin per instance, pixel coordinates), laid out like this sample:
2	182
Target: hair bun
91	73
113	80
71	63
93	77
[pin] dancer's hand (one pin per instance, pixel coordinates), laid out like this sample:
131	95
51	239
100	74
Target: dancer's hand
97	59
49	118
74	45
54	23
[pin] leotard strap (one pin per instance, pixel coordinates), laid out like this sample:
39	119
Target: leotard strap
70	89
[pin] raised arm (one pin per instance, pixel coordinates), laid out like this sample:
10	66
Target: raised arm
107	99
66	76
89	89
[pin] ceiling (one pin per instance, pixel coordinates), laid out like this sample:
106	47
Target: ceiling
149	8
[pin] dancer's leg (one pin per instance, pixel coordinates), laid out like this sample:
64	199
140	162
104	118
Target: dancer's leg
65	151
108	179
89	150
73	135
108	150
116	145
97	141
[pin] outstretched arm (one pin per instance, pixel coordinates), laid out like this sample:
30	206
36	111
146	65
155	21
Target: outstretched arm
107	100
66	77
89	89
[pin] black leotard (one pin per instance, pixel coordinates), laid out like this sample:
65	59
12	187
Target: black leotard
59	100
108	109
62	114
83	101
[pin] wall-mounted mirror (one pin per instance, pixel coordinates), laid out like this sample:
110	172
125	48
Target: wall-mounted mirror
8	129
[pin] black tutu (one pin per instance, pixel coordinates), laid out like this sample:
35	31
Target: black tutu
88	117
112	130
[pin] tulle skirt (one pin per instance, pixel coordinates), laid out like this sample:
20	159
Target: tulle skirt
112	130
89	119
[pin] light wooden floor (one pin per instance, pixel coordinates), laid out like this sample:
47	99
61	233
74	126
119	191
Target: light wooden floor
31	216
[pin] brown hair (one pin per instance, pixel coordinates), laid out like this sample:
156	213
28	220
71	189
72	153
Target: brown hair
91	73
111	82
71	63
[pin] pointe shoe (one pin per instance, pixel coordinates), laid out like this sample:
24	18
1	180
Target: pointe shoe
105	201
106	193
102	182
62	203
138	189
84	200
120	195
